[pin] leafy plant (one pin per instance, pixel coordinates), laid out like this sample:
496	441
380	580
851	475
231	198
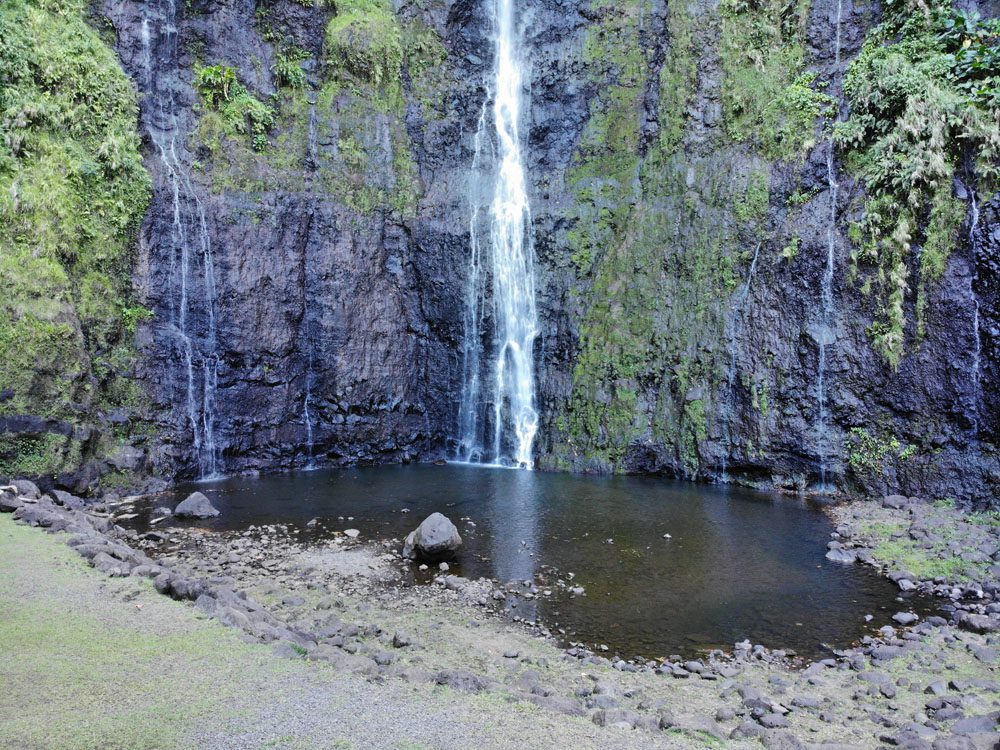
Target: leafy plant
288	71
242	112
868	452
923	95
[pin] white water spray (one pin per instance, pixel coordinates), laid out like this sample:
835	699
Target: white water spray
514	315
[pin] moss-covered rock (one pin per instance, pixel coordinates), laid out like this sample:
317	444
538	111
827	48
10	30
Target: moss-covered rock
73	191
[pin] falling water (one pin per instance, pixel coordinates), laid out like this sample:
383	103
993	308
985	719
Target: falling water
186	230
734	333
514	316
973	279
825	336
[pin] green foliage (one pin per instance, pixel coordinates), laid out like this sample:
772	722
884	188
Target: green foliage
36	456
73	191
923	94
791	251
242	113
868	452
214	83
757	198
287	69
768	97
678	77
365	40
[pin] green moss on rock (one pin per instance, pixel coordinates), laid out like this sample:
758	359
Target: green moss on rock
73	191
924	94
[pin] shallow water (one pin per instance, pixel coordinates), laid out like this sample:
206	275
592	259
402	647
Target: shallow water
739	564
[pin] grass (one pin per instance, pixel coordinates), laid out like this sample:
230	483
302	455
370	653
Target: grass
86	677
894	549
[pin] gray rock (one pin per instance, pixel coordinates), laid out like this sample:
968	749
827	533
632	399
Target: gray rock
196	506
461	680
897	502
9	502
67	500
905	618
565	706
401	639
979	623
773	721
434	540
27	489
841	555
615	717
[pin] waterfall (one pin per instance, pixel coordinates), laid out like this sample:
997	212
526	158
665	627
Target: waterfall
734	333
825	337
188	236
509	369
973	279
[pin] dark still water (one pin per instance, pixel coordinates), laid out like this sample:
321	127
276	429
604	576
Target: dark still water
739	564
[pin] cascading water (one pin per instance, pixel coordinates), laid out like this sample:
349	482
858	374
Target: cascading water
200	356
825	333
739	310
976	339
509	369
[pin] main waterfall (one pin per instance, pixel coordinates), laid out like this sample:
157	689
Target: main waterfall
498	392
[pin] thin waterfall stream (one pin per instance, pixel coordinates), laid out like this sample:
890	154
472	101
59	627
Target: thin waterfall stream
825	334
508	367
976	338
163	128
736	327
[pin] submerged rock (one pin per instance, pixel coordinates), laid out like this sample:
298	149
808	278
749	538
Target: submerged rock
434	540
196	506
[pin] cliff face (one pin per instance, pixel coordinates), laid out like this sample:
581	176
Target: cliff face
706	307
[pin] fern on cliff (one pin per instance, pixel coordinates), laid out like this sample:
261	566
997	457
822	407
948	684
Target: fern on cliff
925	96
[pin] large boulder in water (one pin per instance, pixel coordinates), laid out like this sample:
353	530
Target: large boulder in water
196	506
434	540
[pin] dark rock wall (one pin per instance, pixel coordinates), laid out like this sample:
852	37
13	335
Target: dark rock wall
360	308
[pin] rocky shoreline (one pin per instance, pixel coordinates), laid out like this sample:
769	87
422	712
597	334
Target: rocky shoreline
930	682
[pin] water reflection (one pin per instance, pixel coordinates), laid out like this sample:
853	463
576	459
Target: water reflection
736	564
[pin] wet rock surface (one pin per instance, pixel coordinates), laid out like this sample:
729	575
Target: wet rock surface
930	684
318	332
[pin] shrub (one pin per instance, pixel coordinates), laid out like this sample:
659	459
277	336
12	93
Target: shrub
923	94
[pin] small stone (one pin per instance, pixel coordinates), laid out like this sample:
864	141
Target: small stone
352	533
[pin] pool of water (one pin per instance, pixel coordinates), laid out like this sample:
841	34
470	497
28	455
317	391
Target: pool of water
738	564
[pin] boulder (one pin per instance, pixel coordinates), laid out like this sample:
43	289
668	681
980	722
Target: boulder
27	489
845	556
9	502
896	502
434	540
196	506
67	500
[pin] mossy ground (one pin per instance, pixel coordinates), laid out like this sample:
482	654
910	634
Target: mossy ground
951	557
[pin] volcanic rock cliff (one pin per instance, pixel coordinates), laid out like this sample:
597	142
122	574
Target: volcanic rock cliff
710	303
